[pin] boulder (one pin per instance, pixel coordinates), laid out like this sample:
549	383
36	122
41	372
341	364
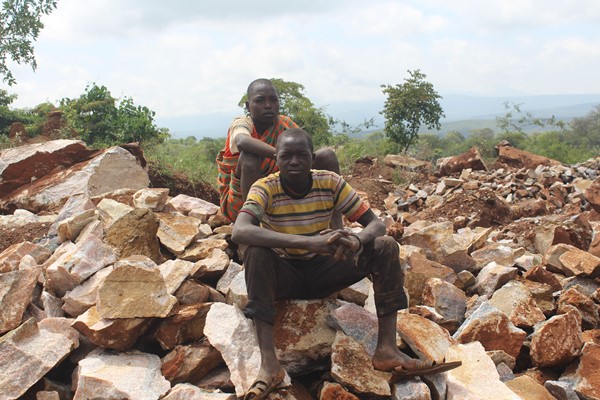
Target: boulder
12	255
177	231
82	297
135	234
515	300
492	277
153	198
557	341
358	323
16	290
470	159
186	324
516	158
584	376
426	339
190	363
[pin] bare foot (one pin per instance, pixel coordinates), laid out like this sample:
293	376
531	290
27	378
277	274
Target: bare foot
396	360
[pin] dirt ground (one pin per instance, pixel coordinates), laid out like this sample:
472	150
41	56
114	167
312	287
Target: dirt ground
29	232
179	184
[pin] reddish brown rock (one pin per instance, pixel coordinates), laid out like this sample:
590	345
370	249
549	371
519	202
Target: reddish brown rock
185	325
177	231
16	289
516	158
12	255
428	340
419	270
591	335
470	159
192	292
543	296
351	367
541	275
335	391
190	363
358	323
582	303
592	195
570	261
584	376
119	334
515	300
492	277
492	329
557	341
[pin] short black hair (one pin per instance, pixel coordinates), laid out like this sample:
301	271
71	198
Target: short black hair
299	133
260	81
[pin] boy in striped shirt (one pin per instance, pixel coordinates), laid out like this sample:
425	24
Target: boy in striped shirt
292	254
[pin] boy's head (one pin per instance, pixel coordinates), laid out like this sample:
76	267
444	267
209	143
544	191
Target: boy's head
263	102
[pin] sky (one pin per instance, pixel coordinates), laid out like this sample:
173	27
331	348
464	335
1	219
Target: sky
185	58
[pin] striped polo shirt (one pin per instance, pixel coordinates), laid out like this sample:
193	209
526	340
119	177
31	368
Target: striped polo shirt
309	215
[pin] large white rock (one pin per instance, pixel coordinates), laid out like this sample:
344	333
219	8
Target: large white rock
477	377
109	375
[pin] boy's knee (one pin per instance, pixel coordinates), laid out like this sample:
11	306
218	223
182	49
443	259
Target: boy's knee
327	159
387	245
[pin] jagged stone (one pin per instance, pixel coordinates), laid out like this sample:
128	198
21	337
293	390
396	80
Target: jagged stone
351	367
233	336
186	391
217	379
177	231
133	375
573	298
540	274
152	198
542	295
528	261
238	293
500	357
470	160
135	234
28	352
502	255
114	168
592	195
357	323
440	244
516	158
78	263
477	377
192	292
561	390
185	325
230	273
584	376
185	204
12	255
70	228
494	276
418	270
190	363
570	261
118	334
427	340
121	195
175	272
110	210
446	299
492	329
76	204
335	391
515	300
51	305
47	395
134	289
82	297
357	293
202	249
527	388
302	336
557	341
211	267
465	280
16	289
403	162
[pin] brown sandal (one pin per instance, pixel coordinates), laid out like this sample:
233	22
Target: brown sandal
260	389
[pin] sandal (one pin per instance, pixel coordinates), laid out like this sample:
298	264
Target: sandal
260	389
400	373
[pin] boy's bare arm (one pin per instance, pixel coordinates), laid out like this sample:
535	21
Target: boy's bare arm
249	144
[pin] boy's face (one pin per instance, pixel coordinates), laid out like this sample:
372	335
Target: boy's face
263	104
294	158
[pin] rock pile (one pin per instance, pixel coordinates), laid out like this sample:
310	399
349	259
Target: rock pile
135	294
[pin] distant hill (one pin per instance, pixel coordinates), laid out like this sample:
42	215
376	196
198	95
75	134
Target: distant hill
463	113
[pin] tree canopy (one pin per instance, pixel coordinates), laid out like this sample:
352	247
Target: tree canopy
103	120
409	106
20	25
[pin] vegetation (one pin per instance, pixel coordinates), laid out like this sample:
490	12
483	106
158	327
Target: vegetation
102	120
408	107
20	25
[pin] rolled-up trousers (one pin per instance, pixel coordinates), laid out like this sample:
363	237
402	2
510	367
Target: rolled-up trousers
269	277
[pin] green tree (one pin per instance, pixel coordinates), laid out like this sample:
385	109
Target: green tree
20	25
409	106
515	119
103	120
294	103
586	130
